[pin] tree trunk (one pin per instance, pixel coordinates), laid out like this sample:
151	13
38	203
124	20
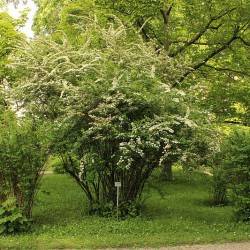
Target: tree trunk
2	193
167	172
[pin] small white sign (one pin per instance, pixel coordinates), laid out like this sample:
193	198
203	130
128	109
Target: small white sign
118	184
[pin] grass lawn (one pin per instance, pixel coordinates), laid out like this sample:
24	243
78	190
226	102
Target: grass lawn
183	216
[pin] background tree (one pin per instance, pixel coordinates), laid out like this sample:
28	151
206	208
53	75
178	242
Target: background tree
8	38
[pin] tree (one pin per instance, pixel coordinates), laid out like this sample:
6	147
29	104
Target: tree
61	15
8	38
23	150
201	32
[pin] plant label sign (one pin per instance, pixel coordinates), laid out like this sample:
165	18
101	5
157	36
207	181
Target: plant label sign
118	184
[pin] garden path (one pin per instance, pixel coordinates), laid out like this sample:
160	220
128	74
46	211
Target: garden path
225	246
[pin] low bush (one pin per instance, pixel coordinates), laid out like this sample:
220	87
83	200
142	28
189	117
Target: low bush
124	141
232	172
11	218
23	153
237	164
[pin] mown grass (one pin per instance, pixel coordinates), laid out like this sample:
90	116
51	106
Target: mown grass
183	216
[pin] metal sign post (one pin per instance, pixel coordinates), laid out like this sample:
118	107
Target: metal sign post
117	185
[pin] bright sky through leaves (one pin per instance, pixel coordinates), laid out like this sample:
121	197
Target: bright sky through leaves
16	11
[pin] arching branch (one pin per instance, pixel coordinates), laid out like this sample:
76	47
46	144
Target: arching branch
202	32
211	55
239	72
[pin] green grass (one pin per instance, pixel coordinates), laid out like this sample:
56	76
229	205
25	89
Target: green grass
183	216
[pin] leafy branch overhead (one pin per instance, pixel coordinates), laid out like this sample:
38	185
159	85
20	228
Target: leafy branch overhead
196	31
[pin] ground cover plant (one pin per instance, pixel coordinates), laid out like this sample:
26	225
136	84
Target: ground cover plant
183	216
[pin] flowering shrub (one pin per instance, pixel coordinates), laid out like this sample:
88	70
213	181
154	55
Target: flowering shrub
111	101
125	139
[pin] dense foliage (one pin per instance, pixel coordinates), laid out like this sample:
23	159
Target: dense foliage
231	172
212	37
237	166
11	218
23	153
8	39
